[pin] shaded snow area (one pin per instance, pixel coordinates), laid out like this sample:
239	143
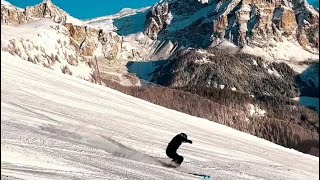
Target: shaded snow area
131	24
55	126
311	75
127	21
311	102
41	40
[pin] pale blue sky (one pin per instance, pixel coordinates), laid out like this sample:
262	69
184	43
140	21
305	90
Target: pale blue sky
86	9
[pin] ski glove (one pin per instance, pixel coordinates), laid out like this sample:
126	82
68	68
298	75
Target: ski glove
189	141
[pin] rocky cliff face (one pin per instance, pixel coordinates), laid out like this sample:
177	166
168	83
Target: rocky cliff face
243	22
157	19
90	41
12	15
47	10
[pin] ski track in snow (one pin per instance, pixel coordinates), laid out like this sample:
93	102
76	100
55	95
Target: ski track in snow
55	126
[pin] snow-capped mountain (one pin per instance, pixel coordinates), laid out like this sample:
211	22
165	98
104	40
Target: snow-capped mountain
245	23
285	31
283	35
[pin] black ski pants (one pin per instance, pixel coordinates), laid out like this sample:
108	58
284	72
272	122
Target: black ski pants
175	157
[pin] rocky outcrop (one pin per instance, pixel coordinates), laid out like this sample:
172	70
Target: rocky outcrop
12	15
285	20
158	19
308	29
84	38
91	41
111	45
243	22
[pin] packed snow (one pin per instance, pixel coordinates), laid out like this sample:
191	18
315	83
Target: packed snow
55	126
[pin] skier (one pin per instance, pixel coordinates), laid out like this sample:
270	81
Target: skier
174	144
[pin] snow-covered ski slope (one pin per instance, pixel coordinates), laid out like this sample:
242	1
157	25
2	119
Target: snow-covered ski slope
55	126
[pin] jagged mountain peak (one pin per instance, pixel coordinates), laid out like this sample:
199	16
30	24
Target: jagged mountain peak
243	22
46	9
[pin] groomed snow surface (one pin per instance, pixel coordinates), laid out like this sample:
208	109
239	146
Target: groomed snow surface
55	126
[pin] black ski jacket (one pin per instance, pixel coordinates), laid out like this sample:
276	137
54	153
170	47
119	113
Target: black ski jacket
175	143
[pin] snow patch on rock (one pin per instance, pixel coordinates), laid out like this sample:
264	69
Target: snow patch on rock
255	111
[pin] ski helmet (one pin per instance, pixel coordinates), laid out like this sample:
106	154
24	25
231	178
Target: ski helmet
183	135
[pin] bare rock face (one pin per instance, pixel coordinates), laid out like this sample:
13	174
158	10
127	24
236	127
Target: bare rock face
77	33
46	9
308	24
158	19
287	22
89	40
243	22
82	36
111	45
12	15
